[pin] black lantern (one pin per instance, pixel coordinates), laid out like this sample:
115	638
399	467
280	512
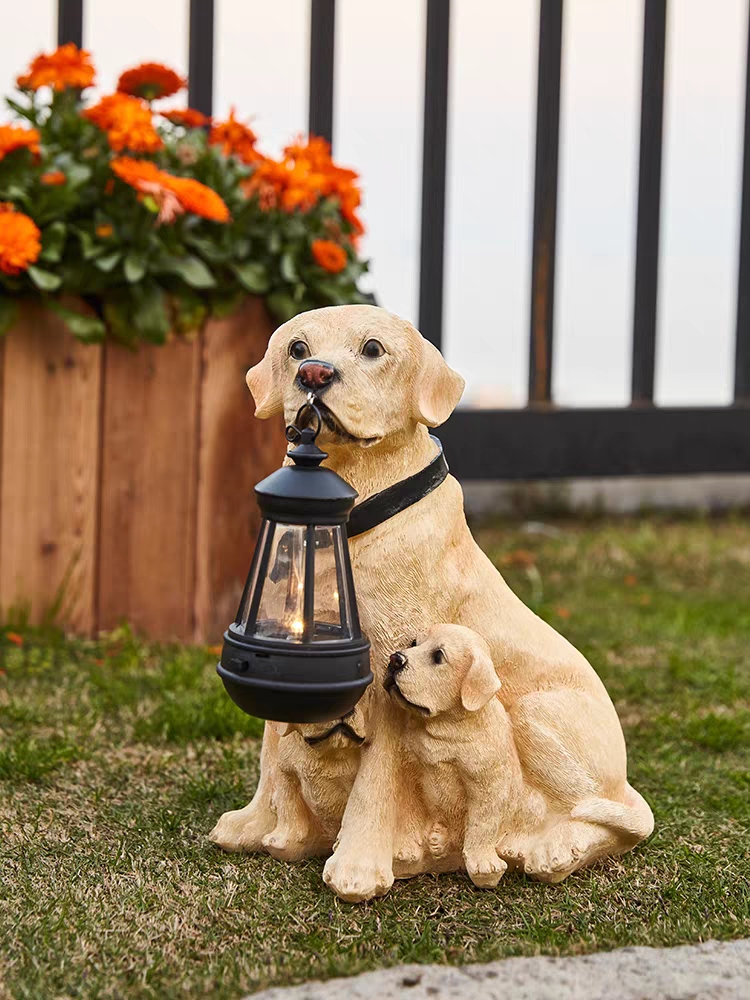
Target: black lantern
296	652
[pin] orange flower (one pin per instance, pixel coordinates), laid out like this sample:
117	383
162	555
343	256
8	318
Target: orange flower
235	139
12	137
305	176
173	195
127	122
53	178
187	117
198	198
151	81
67	66
329	255
15	638
104	231
20	241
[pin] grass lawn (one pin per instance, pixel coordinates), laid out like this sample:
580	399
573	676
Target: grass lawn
116	757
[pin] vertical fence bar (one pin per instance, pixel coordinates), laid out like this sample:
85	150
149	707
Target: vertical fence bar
434	145
545	201
322	49
742	343
201	56
649	198
70	22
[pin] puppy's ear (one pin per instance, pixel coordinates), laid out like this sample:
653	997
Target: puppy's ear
263	383
480	683
438	388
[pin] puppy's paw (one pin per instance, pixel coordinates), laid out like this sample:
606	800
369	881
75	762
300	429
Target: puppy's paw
242	829
438	841
288	845
355	879
485	870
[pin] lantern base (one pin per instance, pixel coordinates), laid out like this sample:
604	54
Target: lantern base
252	675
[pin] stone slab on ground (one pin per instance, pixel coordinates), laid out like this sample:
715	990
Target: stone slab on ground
716	970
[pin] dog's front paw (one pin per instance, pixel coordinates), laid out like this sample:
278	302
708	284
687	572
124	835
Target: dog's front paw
242	829
485	870
356	879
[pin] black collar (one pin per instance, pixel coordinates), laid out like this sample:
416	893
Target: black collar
379	507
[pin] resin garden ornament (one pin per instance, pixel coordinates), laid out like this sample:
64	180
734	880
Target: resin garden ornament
486	740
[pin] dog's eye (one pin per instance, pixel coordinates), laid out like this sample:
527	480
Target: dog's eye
438	656
299	350
414	643
373	349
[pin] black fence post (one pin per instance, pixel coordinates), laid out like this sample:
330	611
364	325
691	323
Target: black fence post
322	59
649	200
434	146
545	201
742	343
201	56
70	22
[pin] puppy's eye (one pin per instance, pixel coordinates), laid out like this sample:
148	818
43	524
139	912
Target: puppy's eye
414	643
438	656
373	349
299	350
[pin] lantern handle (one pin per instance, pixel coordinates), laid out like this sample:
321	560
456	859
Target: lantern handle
305	452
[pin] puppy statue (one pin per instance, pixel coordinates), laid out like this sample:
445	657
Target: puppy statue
379	385
459	737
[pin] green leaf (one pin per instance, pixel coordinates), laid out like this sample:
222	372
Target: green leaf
53	241
189	310
283	306
89	329
117	313
109	261
226	304
288	268
253	277
77	174
135	268
150	316
28	113
46	281
191	269
274	241
89	248
8	314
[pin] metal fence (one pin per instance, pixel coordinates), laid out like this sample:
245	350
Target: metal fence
540	440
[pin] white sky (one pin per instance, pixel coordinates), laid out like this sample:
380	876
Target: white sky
261	68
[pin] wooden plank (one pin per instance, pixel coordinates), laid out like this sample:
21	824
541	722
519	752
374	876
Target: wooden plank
49	479
149	474
236	452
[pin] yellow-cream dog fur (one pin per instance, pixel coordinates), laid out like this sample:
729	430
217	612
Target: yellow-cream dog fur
422	568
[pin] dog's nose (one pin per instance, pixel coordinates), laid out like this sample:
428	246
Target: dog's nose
315	374
397	662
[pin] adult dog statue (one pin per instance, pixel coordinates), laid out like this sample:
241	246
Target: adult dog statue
380	386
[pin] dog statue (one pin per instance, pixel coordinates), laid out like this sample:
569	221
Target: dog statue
379	386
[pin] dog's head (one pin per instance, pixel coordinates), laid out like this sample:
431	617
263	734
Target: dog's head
372	374
347	733
450	671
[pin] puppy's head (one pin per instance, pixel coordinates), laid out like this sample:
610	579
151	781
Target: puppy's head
347	733
372	374
450	671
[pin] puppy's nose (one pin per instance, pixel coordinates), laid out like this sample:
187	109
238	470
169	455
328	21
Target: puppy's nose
315	374
397	662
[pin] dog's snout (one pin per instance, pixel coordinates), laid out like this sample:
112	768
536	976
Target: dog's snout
315	374
397	661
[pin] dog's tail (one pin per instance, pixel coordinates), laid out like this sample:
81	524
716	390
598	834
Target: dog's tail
632	818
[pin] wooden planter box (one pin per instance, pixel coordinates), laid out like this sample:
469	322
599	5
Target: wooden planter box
126	479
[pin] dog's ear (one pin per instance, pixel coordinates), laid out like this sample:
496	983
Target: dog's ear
439	388
263	383
481	682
